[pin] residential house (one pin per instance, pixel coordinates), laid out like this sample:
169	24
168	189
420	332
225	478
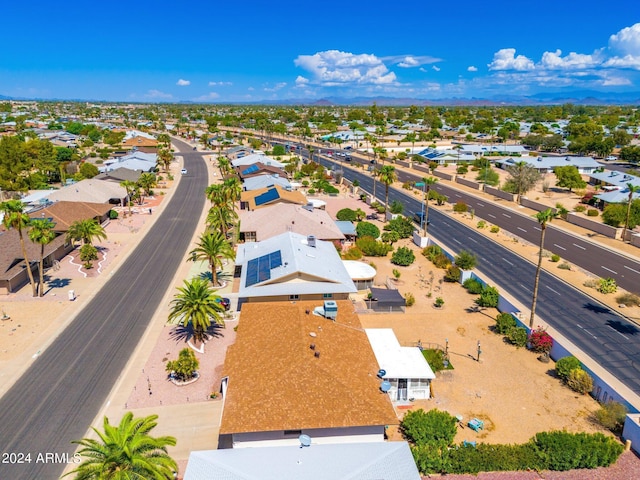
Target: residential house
141	143
258	168
91	191
292	267
255	158
237	152
119	175
64	213
262	223
269	196
585	165
145	162
265	181
292	373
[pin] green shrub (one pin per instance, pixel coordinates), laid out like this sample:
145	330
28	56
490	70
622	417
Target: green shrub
430	458
435	359
565	365
592	213
403	226
466	260
373	248
429	428
439	302
607	285
494	229
489	297
354	253
113	214
347	214
518	336
452	274
487	458
367	229
481	224
185	367
580	208
611	415
504	323
441	261
390	237
403	256
473	286
564	266
409	299
431	252
562	451
580	381
396	207
460	207
555	258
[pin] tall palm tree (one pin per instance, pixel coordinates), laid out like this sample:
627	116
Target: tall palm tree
428	183
214	193
15	217
232	188
220	217
224	166
147	182
633	189
198	306
130	187
165	157
214	248
126	452
41	232
86	230
388	175
543	218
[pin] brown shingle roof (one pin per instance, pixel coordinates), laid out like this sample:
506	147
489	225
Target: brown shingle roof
276	382
11	258
140	142
64	213
284	196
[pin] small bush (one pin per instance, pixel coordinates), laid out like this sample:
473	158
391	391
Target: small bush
504	323
367	229
592	213
518	336
403	256
429	428
439	302
354	253
565	365
607	285
396	273
409	299
113	214
347	214
460	207
466	260
489	297
431	252
185	367
628	300
441	261
494	229
435	359
373	248
580	208
540	341
452	274
555	258
564	266
481	224
473	286
591	283
580	381
611	415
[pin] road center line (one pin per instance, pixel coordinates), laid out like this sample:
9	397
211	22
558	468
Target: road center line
474	241
560	247
623	336
507	261
554	291
537	228
583	248
633	270
492	216
480	204
522	229
609	270
457	241
508	216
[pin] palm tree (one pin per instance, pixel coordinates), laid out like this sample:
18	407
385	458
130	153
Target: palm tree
220	216
428	183
146	182
224	166
198	306
214	248
86	230
543	218
388	175
41	232
126	452
130	187
632	190
165	157
14	217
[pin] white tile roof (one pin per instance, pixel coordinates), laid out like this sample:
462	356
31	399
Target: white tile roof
396	360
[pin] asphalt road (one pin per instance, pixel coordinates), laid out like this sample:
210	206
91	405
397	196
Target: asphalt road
600	333
58	397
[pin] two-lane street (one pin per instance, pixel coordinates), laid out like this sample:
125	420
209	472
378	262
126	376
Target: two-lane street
59	396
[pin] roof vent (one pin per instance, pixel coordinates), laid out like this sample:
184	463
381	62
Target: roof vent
308	206
311	241
316	354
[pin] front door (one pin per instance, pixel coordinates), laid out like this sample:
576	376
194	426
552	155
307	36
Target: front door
402	389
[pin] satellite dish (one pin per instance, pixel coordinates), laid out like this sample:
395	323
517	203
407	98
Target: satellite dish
385	386
305	440
382	372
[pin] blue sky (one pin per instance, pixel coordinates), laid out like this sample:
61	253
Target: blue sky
208	50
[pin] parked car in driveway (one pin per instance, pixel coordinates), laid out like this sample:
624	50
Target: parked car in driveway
225	302
372	216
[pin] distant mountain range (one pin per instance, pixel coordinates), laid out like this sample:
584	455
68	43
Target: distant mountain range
578	97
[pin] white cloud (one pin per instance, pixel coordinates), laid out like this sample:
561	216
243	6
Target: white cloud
157	94
505	59
555	60
616	81
410	61
220	84
628	61
626	41
471	68
183	83
207	98
302	81
333	67
251	89
276	87
436	68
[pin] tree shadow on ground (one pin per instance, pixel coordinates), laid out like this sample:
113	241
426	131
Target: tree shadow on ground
181	333
52	283
478	309
596	308
622	327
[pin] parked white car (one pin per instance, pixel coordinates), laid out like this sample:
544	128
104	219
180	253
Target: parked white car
183	171
611	157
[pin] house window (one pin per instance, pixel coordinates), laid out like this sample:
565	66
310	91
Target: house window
249	236
327	295
294	297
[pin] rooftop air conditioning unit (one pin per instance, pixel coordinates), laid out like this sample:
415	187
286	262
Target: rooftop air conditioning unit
311	241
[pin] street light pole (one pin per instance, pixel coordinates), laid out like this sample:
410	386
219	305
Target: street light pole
422	219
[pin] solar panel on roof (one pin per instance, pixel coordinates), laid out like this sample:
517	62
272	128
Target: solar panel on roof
252	272
259	269
268	196
275	259
252	169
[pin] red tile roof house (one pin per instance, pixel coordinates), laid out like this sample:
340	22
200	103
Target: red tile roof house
291	372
